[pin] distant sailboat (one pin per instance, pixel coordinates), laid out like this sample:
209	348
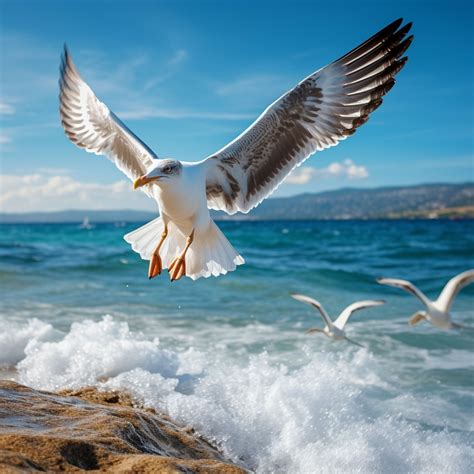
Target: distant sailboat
85	224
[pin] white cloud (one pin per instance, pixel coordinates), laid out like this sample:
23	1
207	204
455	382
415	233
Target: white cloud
4	138
43	192
346	169
302	175
54	189
6	109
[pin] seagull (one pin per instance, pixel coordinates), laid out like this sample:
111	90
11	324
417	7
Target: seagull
437	312
335	330
323	109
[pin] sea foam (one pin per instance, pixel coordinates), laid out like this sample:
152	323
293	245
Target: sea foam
14	338
337	412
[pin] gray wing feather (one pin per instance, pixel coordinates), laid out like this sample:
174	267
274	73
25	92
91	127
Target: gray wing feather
342	319
89	124
316	304
453	287
326	107
407	286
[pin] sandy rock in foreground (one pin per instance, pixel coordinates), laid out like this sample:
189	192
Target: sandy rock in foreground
90	430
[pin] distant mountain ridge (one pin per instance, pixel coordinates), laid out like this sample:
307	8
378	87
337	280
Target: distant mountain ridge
394	202
425	200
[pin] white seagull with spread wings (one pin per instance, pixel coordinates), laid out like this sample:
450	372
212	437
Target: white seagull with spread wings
335	330
438	311
326	107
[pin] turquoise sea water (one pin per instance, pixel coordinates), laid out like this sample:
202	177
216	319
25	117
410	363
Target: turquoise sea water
229	355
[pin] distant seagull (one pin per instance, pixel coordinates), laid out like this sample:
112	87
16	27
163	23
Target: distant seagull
437	311
323	109
335	330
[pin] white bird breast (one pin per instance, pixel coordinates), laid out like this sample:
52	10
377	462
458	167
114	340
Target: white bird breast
183	198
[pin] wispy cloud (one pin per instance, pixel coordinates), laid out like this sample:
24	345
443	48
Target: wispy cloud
147	112
251	85
4	138
346	169
52	192
6	109
180	56
120	79
172	68
54	171
28	67
135	101
10	134
127	86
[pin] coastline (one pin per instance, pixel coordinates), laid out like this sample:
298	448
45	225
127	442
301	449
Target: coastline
87	429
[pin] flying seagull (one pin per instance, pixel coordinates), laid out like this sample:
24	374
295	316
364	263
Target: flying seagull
437	312
335	330
323	109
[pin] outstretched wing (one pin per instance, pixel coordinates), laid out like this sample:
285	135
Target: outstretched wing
91	125
321	110
453	287
314	304
342	319
407	286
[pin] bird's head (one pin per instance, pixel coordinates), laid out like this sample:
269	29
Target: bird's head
161	171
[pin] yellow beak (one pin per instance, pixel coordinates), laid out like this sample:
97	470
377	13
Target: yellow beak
139	182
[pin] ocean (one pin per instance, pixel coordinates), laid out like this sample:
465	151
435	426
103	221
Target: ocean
229	355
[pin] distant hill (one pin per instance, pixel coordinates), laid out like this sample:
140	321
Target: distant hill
395	202
425	201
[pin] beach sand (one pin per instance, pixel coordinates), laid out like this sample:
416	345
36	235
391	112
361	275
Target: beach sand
91	430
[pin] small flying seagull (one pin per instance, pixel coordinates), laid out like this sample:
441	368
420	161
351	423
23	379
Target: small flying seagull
335	330
437	312
323	109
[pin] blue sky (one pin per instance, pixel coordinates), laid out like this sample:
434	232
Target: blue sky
187	77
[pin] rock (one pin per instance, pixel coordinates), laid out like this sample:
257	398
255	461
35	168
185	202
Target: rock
90	430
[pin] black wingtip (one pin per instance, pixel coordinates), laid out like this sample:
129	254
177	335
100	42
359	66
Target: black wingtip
404	30
398	21
394	25
65	54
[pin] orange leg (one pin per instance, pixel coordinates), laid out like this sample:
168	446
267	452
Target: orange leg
416	318
155	262
177	269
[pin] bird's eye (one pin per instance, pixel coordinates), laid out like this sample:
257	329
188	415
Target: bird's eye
167	169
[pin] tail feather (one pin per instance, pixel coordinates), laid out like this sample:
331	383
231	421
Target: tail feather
224	257
209	254
148	242
173	244
141	239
